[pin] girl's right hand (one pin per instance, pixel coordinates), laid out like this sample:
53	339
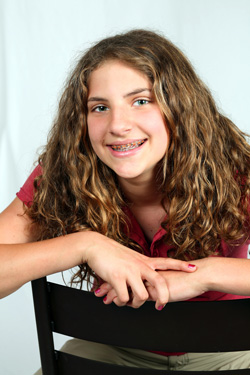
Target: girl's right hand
126	271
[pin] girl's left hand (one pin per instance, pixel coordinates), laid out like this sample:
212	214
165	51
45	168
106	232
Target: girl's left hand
211	274
181	285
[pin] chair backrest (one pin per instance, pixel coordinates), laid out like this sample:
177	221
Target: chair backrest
180	327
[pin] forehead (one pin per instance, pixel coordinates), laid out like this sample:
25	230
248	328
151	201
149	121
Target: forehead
115	74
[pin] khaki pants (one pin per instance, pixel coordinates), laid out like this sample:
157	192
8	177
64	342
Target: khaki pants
141	358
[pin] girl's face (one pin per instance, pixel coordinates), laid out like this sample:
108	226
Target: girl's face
126	128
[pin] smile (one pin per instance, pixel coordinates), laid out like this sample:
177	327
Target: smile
128	146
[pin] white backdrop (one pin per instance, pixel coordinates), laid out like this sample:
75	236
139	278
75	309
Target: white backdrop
39	41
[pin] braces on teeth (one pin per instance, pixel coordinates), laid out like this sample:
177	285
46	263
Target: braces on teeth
128	146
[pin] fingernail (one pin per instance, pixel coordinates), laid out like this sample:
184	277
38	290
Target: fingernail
105	299
97	290
160	307
191	266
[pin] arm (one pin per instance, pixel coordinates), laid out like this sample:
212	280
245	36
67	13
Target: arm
22	259
226	275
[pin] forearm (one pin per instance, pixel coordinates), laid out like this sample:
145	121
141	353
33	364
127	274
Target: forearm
20	263
228	275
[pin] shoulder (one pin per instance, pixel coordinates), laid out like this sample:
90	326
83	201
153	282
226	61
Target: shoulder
26	193
15	225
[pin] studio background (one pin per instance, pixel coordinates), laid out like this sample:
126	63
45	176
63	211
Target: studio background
39	43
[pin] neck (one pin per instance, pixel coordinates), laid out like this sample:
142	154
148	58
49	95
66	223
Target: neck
141	193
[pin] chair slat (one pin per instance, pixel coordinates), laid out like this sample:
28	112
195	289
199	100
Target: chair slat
179	327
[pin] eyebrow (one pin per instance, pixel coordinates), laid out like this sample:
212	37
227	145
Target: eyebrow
134	92
137	91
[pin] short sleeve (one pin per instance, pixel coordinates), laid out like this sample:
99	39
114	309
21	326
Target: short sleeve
26	193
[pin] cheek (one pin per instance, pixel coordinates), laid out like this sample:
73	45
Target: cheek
166	136
96	139
163	138
93	132
160	129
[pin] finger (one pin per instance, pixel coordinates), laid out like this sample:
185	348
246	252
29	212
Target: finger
109	298
161	289
151	292
120	303
138	301
171	264
103	290
134	301
139	294
122	293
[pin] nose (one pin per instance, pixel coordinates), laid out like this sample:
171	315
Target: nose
119	122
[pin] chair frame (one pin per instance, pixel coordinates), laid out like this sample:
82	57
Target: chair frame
212	326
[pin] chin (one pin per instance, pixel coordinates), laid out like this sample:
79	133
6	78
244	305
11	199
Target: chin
126	174
132	175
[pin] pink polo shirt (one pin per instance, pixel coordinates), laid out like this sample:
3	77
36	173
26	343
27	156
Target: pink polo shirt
156	249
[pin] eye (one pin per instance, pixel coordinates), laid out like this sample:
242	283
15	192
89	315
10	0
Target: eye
141	102
99	108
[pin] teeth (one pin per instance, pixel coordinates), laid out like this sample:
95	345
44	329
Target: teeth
128	146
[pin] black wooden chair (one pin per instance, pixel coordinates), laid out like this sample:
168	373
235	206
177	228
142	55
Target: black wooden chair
179	327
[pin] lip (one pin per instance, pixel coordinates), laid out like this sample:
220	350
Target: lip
129	153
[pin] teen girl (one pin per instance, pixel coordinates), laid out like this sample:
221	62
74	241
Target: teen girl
144	185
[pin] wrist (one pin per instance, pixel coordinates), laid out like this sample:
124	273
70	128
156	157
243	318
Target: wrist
204	274
207	274
85	241
213	273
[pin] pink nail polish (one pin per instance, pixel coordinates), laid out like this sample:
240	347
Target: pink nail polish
97	290
105	299
160	307
191	265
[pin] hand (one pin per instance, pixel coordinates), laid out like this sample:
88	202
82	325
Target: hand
212	274
183	286
126	271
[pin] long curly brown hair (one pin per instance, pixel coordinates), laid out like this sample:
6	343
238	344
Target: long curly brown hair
204	177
